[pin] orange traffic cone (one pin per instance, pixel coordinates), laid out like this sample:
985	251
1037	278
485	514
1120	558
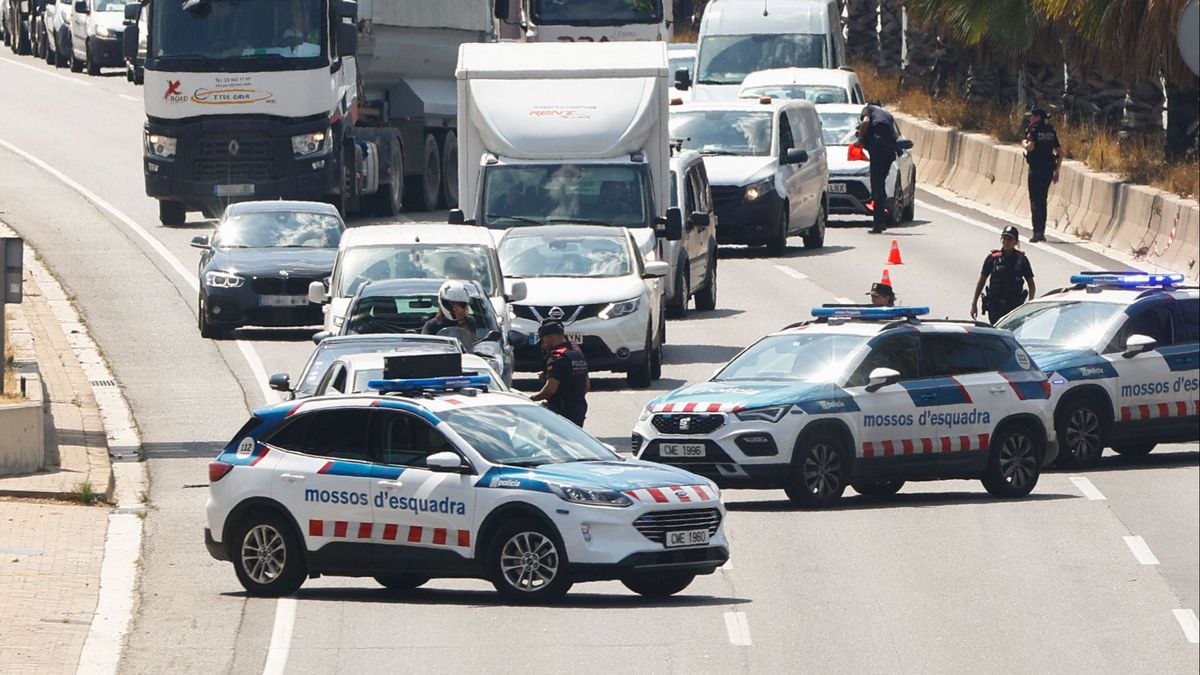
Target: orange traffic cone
886	279
894	255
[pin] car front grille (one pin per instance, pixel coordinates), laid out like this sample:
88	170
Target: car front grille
214	161
696	425
655	526
280	285
570	312
726	197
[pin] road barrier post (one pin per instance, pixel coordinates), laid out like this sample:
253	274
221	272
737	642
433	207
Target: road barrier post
10	287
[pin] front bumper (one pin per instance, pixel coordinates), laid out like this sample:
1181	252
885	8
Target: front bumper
685	561
106	52
243	306
743	222
608	344
734	455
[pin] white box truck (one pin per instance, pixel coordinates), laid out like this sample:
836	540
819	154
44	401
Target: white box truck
566	133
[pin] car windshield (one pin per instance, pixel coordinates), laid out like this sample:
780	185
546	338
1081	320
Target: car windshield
415	261
801	92
525	435
408	314
723	132
727	59
535	194
595	12
221	30
279	229
811	357
1065	325
328	351
838	128
565	256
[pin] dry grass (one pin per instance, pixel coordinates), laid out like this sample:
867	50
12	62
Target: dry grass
1139	160
12	391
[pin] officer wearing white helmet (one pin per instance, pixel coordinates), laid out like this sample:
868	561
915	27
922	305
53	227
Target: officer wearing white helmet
453	311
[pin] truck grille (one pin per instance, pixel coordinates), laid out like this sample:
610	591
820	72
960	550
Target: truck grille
697	425
281	286
727	197
655	526
215	163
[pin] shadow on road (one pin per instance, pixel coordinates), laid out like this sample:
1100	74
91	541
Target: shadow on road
603	382
274	334
901	500
184	449
573	600
715	354
792	251
1154	460
698	315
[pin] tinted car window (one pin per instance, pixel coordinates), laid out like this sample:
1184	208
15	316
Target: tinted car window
406	440
953	354
999	353
901	353
337	434
1152	322
1189	330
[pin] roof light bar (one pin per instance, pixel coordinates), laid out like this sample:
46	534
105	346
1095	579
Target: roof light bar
1127	279
429	384
866	312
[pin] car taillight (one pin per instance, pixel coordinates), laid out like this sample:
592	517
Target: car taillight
217	471
1046	387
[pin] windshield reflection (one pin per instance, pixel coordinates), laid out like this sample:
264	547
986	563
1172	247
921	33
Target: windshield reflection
1066	325
591	256
415	261
794	356
723	132
279	230
220	29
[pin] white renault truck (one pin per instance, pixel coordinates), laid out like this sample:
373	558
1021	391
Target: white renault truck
583	20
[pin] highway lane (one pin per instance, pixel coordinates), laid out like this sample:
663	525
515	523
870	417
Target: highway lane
942	579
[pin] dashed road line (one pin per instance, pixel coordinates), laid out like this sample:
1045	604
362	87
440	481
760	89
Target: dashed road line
281	637
792	273
1085	486
1190	625
738	628
1140	550
127	97
43	71
843	301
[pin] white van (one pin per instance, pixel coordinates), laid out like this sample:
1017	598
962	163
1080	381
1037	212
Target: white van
739	37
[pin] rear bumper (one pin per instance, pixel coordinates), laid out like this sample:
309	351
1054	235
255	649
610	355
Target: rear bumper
215	549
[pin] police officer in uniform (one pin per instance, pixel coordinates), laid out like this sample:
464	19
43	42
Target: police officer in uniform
877	133
1009	270
882	295
1044	155
565	382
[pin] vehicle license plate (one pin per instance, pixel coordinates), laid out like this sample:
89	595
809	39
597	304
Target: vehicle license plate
686	538
681	449
238	190
839	188
577	338
284	300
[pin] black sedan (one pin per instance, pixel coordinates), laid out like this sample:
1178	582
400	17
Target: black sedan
258	264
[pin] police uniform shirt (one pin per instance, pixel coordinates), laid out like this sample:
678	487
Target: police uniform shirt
1006	273
1045	142
882	129
567	364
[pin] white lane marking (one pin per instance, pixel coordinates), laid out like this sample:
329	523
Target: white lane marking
114	607
43	71
843	301
281	637
127	97
738	628
1052	250
1190	625
1140	550
1085	486
791	272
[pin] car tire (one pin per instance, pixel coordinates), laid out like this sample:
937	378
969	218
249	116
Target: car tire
909	213
76	64
641	375
677	307
49	54
1082	427
656	357
877	489
893	206
401	582
21	44
60	59
1134	449
815	237
89	64
208	330
527	563
1015	462
819	471
139	75
706	298
268	556
171	214
662	585
777	245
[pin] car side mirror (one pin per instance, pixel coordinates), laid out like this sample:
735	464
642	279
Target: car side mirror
515	291
320	335
500	10
516	337
446	462
347	38
881	377
795	156
456	217
699	219
904	143
1137	344
348	9
133	12
683	79
671	227
130	37
656	269
200	241
317	294
492	336
280	382
81	7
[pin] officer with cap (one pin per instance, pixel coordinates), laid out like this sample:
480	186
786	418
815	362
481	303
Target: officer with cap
1009	270
565	382
1044	155
882	295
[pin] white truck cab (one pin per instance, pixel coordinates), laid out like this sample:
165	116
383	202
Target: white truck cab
583	20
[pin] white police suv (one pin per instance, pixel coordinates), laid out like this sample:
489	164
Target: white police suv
867	397
1122	350
441	478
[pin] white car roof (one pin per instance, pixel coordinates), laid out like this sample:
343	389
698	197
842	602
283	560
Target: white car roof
416	233
1125	296
834	77
849	108
749	105
438	403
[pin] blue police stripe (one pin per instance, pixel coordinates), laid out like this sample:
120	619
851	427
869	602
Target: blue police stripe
355	469
1181	357
385	471
936	391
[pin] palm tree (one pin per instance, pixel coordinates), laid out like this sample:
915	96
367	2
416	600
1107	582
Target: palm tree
891	35
861	17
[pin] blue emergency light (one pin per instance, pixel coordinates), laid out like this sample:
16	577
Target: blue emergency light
429	384
1126	279
868	312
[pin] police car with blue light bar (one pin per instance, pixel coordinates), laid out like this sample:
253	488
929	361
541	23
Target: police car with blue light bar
438	477
1122	350
869	397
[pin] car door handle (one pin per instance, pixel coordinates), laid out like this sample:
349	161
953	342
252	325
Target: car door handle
390	484
998	390
292	477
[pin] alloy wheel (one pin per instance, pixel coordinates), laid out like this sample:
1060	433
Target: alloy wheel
822	470
529	561
1083	434
1018	460
264	553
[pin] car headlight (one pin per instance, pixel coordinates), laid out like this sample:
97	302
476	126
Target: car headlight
222	280
772	414
311	145
103	31
590	496
160	146
645	415
756	190
338	321
617	309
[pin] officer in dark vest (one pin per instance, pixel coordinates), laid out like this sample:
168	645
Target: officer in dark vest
877	133
1044	155
565	382
1006	271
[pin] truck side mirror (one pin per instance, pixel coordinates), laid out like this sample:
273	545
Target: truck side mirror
671	227
317	294
699	219
501	10
456	217
347	38
130	38
348	9
795	156
81	7
133	12
683	79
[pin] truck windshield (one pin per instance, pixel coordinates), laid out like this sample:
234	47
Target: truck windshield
595	12
723	132
535	194
234	30
727	59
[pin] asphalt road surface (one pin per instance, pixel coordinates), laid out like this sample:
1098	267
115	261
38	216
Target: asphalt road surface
940	579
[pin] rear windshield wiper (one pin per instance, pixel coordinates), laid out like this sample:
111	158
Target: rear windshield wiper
522	219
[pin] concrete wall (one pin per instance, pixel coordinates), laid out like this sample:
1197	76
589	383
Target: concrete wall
1159	228
22	444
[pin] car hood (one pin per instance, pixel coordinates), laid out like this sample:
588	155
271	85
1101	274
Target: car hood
580	291
299	262
114	21
738	171
1072	364
624	476
733	396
